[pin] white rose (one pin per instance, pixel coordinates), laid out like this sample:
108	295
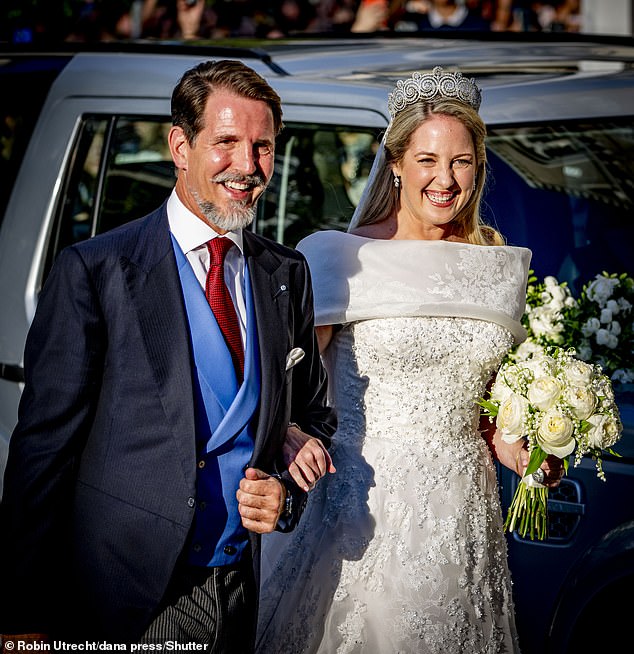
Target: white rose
601	288
554	434
582	401
613	306
550	281
511	418
553	298
606	316
604	337
540	365
570	301
544	392
624	305
545	321
501	390
528	349
623	376
591	326
604	430
615	328
578	373
584	350
559	296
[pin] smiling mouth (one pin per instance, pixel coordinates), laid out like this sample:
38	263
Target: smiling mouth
238	186
440	199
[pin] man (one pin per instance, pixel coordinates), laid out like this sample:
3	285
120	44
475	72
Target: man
153	418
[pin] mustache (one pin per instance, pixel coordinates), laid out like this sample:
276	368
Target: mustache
256	179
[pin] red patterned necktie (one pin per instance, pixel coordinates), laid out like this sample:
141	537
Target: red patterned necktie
221	303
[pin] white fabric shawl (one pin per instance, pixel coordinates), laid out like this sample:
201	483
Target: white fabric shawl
358	278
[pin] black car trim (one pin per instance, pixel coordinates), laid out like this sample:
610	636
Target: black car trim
11	372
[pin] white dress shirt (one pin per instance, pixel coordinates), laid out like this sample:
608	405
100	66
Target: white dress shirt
192	234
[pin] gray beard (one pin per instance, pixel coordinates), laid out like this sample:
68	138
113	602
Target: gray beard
240	214
236	218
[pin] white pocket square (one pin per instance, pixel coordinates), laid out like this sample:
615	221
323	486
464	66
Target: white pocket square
294	356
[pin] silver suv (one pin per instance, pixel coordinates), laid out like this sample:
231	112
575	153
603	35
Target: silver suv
83	150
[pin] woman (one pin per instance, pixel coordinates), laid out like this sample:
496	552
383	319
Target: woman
402	550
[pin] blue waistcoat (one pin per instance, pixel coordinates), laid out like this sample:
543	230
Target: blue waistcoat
224	434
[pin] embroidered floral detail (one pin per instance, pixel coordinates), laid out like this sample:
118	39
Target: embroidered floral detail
402	550
486	276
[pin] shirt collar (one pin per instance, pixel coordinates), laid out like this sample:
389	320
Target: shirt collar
190	231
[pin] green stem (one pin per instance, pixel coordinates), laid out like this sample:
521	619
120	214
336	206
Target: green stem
528	512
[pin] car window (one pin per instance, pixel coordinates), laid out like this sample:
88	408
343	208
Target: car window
121	169
567	192
139	173
320	172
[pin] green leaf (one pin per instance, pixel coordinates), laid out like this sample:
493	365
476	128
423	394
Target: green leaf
490	409
538	456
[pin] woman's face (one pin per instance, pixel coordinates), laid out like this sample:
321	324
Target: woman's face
437	174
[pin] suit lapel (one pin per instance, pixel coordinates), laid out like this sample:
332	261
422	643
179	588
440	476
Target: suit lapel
155	291
154	285
270	283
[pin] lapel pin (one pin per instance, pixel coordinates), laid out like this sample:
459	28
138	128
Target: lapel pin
282	289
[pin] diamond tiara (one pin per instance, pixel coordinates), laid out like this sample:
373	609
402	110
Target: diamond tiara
428	86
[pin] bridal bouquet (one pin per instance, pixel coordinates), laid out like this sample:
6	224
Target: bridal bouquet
560	405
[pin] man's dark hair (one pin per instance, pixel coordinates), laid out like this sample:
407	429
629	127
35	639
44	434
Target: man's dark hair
189	97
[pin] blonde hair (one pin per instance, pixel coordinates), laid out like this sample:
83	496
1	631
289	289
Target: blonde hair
383	197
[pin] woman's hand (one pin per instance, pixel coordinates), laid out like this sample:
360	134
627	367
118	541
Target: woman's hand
515	456
552	467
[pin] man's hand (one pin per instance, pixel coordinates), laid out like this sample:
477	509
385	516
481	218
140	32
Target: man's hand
306	458
260	501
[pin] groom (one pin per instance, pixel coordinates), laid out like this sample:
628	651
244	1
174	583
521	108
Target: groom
165	365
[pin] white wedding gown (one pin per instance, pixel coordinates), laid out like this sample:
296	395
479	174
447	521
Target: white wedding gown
402	549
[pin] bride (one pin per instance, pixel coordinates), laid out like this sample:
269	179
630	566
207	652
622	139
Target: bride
402	550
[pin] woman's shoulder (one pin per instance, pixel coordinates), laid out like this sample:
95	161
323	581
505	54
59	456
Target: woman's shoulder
380	231
324	240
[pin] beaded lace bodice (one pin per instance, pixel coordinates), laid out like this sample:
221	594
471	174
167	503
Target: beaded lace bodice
402	549
405	391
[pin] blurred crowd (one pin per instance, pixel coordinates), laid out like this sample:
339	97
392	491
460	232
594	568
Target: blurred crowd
108	20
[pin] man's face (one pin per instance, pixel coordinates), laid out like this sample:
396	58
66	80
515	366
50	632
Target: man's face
226	169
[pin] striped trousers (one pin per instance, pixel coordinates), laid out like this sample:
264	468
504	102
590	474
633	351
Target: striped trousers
211	606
